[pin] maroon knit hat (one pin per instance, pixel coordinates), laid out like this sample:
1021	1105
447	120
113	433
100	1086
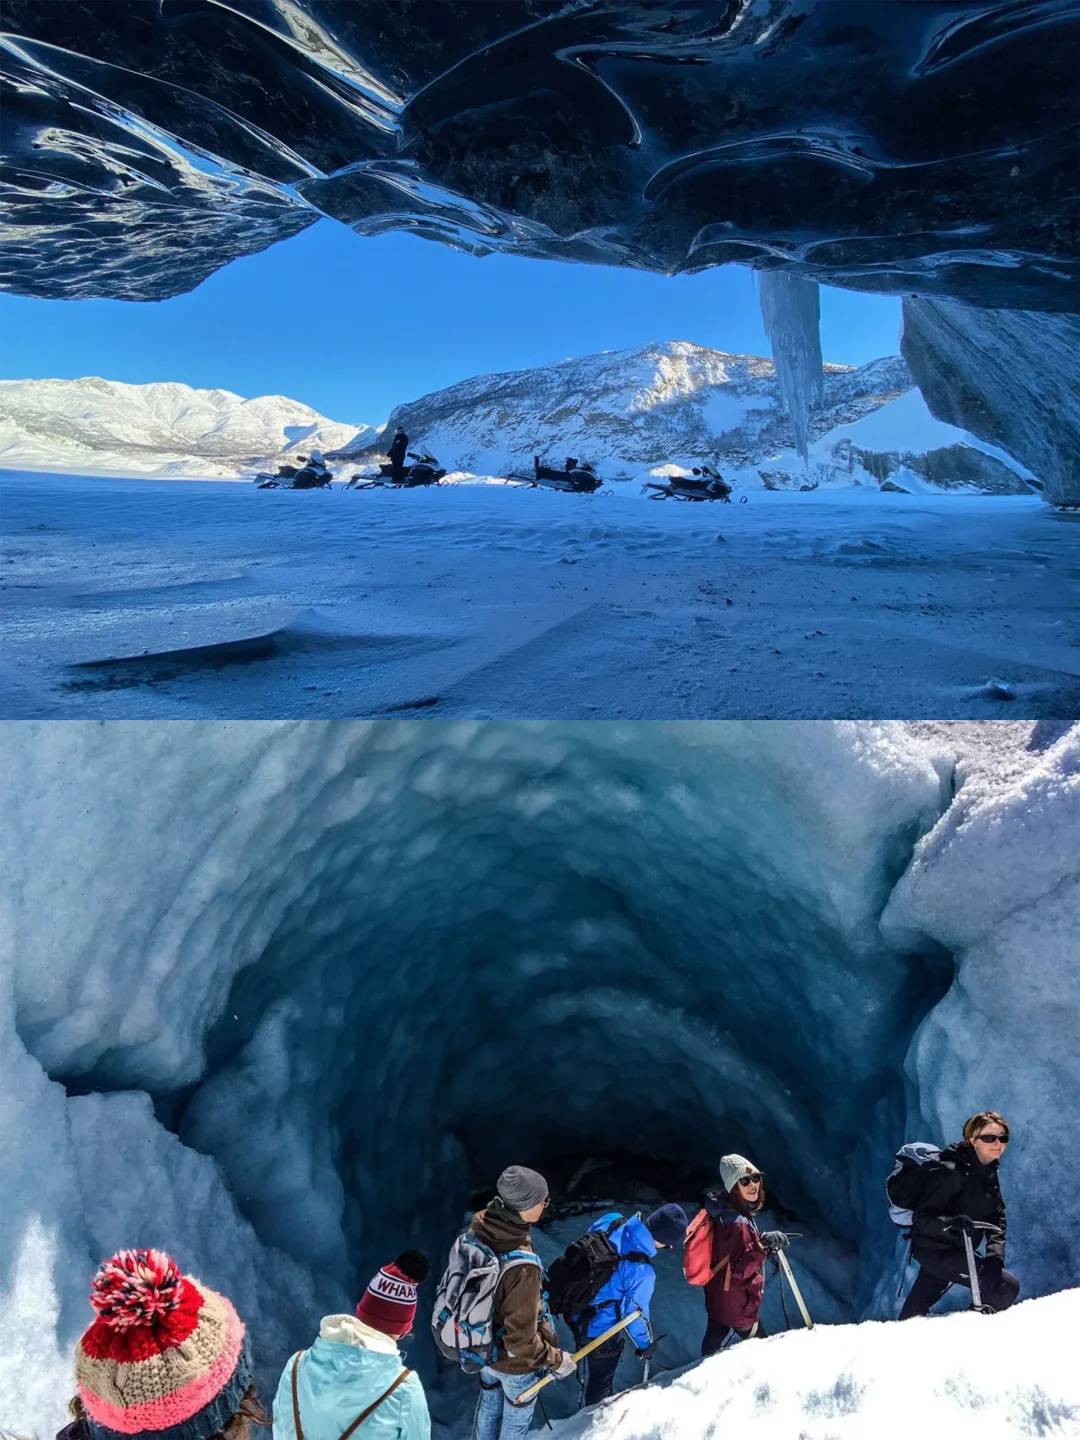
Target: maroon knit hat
389	1302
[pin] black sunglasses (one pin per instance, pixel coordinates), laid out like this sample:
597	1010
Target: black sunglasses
993	1139
750	1180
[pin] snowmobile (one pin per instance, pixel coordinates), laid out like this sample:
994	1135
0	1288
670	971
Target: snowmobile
425	471
310	476
577	476
702	484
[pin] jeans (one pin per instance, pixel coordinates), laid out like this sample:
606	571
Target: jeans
998	1288
496	1419
716	1334
602	1364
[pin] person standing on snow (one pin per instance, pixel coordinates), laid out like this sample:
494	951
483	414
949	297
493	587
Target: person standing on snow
739	1251
398	446
353	1371
629	1289
528	1344
960	1191
166	1356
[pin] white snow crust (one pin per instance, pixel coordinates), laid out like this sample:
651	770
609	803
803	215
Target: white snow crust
262	987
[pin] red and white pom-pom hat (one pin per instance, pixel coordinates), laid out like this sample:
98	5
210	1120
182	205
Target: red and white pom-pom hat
166	1356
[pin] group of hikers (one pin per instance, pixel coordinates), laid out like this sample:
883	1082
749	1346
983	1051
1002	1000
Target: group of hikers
168	1357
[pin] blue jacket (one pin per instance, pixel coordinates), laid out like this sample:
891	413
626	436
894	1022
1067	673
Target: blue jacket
631	1287
347	1368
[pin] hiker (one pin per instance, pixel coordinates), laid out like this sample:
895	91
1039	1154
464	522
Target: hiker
958	1192
165	1355
353	1371
730	1262
527	1345
396	455
628	1288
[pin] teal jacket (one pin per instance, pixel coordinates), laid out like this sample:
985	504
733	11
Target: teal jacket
347	1368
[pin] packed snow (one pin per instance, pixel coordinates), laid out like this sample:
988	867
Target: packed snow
481	600
265	987
104	427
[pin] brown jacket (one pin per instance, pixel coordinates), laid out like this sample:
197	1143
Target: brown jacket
527	1343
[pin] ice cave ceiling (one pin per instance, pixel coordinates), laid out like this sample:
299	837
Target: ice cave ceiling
919	146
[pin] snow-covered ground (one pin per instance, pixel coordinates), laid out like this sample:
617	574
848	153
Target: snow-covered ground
478	600
967	1377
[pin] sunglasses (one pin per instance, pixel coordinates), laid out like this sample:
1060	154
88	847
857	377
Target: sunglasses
992	1139
750	1180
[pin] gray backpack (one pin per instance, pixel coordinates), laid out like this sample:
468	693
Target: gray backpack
906	1180
463	1320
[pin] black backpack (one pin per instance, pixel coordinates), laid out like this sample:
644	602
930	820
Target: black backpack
582	1271
907	1180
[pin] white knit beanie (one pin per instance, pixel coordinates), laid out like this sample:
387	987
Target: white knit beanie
733	1168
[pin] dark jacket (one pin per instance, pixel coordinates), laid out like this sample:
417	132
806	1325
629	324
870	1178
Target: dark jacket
527	1338
733	1295
957	1184
398	446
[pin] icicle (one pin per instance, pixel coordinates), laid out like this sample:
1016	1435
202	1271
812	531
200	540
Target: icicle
791	310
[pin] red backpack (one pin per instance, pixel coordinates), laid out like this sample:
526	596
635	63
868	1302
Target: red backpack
697	1252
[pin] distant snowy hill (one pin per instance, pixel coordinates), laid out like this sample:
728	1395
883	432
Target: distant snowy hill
103	427
674	403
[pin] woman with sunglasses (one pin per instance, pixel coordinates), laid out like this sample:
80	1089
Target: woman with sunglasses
961	1194
739	1249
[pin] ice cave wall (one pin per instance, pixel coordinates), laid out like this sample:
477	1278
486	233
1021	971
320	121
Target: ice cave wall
246	951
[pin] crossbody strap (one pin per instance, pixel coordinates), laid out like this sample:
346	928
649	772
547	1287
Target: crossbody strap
372	1408
359	1419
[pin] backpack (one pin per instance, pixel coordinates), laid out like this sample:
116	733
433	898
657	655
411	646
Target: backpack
463	1320
697	1252
583	1269
904	1186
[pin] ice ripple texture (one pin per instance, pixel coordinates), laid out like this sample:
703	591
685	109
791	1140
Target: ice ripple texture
926	148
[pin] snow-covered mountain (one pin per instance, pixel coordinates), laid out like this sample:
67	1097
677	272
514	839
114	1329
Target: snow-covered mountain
674	403
99	427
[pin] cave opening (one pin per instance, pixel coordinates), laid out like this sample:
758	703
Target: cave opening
596	962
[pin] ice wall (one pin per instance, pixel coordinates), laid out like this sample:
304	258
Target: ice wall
307	984
791	310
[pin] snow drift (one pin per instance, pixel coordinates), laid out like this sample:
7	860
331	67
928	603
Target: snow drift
283	997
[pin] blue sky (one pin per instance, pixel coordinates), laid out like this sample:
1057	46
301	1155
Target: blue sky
355	326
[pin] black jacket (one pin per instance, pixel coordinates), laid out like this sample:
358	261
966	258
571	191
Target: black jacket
398	446
958	1184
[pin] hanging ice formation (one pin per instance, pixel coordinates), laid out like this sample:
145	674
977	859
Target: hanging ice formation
791	311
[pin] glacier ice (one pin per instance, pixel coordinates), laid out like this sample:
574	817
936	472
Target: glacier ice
282	997
791	310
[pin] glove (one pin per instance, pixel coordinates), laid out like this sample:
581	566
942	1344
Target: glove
566	1366
960	1225
647	1353
774	1240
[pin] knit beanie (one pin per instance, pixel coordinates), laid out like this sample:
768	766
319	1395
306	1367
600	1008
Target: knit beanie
667	1226
520	1188
166	1356
389	1302
733	1168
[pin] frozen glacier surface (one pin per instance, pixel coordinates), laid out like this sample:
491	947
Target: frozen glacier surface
284	997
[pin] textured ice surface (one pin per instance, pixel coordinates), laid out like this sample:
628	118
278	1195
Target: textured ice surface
308	986
791	310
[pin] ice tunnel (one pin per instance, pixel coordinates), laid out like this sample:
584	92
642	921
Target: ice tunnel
283	996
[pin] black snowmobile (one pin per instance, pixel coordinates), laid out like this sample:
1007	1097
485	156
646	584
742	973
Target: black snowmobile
425	470
702	484
310	476
577	476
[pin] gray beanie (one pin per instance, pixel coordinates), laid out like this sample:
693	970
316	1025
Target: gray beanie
521	1189
733	1168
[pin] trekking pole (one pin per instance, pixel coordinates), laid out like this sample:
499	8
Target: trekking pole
786	1271
578	1356
973	1274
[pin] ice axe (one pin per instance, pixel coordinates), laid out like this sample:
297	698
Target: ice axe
578	1356
786	1270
